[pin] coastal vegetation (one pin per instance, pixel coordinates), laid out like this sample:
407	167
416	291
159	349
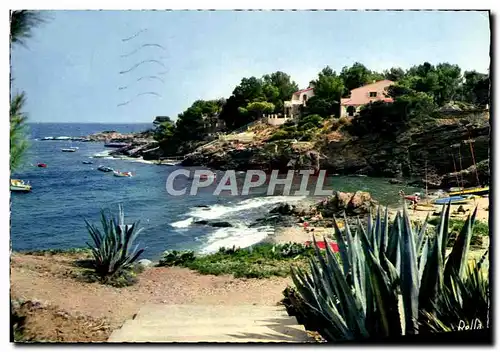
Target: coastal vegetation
113	251
392	281
418	94
22	23
259	261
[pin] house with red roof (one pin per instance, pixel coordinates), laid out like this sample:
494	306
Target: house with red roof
365	95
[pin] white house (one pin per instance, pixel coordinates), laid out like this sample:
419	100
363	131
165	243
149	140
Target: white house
299	98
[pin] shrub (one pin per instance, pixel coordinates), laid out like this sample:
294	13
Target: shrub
112	250
176	258
281	135
258	261
393	279
480	229
343	121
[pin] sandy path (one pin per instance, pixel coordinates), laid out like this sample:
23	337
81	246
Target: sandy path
41	278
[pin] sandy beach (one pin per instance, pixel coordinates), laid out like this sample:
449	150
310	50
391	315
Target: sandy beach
300	234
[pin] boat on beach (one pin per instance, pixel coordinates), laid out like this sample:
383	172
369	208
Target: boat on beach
104	168
122	174
19	186
452	200
478	191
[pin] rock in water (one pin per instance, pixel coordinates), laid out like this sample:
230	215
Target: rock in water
283	209
220	224
360	203
352	203
201	222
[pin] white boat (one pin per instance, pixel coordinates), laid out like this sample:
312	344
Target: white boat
47	138
104	168
102	154
122	174
71	149
19	186
62	138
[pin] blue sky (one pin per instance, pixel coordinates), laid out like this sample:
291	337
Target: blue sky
70	70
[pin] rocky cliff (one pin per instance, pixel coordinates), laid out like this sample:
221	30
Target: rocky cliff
439	146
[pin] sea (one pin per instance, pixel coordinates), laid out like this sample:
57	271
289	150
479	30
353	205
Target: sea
68	192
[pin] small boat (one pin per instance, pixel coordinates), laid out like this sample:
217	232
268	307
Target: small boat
62	138
47	138
71	149
122	174
19	186
41	165
102	154
452	200
478	191
104	168
87	162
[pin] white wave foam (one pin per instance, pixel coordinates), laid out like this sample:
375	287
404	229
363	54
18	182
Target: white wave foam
240	236
217	211
182	223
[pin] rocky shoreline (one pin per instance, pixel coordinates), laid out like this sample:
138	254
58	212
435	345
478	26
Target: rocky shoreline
436	148
430	154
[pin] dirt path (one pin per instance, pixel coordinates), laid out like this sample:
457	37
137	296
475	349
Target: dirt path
47	279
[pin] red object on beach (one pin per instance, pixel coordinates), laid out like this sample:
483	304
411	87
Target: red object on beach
306	224
322	245
413	198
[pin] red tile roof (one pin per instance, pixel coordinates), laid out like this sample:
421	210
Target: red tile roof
303	90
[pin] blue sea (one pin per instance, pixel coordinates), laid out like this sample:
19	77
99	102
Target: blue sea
67	192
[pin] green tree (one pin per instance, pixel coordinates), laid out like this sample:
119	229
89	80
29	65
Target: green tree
394	74
258	108
234	110
476	88
328	89
18	140
442	82
160	119
191	124
22	23
355	76
284	86
450	79
328	85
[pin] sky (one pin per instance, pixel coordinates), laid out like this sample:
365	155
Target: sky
70	67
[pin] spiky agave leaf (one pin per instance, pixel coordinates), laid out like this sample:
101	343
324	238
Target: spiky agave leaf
386	315
457	260
409	275
112	248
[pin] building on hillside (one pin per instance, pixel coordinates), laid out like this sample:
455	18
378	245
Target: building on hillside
365	95
299	100
213	125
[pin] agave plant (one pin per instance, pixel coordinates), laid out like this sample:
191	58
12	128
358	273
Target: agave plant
112	248
391	279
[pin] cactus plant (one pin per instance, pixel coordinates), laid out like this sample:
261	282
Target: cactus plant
112	248
391	279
